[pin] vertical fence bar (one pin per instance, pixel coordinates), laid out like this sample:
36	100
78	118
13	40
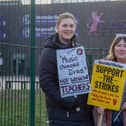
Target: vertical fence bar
32	65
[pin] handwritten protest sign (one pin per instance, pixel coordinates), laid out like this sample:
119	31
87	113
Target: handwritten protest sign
72	71
107	84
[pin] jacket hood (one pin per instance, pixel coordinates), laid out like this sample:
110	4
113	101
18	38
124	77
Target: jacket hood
54	42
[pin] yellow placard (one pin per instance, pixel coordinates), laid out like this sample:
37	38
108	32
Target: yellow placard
107	86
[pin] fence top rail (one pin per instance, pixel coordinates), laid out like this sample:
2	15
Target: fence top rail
18	45
37	47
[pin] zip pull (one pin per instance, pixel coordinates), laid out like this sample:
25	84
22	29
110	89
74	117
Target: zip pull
68	114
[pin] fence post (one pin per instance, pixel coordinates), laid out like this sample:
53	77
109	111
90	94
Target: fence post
32	65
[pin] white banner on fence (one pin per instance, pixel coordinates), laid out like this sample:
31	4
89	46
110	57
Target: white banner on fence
72	72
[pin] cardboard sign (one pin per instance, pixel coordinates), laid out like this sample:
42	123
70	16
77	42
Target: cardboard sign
107	84
72	72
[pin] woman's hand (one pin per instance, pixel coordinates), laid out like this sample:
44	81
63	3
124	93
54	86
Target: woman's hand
123	106
100	110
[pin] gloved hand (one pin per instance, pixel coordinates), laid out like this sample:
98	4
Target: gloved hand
69	102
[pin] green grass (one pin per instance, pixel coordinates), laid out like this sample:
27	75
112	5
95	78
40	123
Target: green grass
40	109
14	108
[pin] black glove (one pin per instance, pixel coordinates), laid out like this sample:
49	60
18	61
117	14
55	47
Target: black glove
69	102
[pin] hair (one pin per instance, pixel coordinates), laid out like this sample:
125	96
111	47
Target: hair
64	16
116	40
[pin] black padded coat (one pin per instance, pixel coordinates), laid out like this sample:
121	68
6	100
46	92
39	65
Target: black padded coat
69	111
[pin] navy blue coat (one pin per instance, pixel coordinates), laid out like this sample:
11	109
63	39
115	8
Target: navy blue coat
68	111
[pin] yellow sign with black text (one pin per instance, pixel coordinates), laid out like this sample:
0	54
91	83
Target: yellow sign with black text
107	84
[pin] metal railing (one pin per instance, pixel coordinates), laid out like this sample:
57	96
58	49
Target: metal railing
15	85
22	102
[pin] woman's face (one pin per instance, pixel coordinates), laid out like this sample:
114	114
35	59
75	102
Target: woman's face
120	51
66	30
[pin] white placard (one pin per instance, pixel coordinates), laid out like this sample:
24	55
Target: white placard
72	72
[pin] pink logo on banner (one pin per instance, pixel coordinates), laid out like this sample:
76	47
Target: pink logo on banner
95	21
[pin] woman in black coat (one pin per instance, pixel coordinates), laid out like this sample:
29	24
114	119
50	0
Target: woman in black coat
68	111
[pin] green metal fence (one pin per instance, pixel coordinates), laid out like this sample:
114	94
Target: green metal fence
15	88
15	85
22	102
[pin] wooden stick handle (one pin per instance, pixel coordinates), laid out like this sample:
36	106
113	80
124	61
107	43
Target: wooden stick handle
100	119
